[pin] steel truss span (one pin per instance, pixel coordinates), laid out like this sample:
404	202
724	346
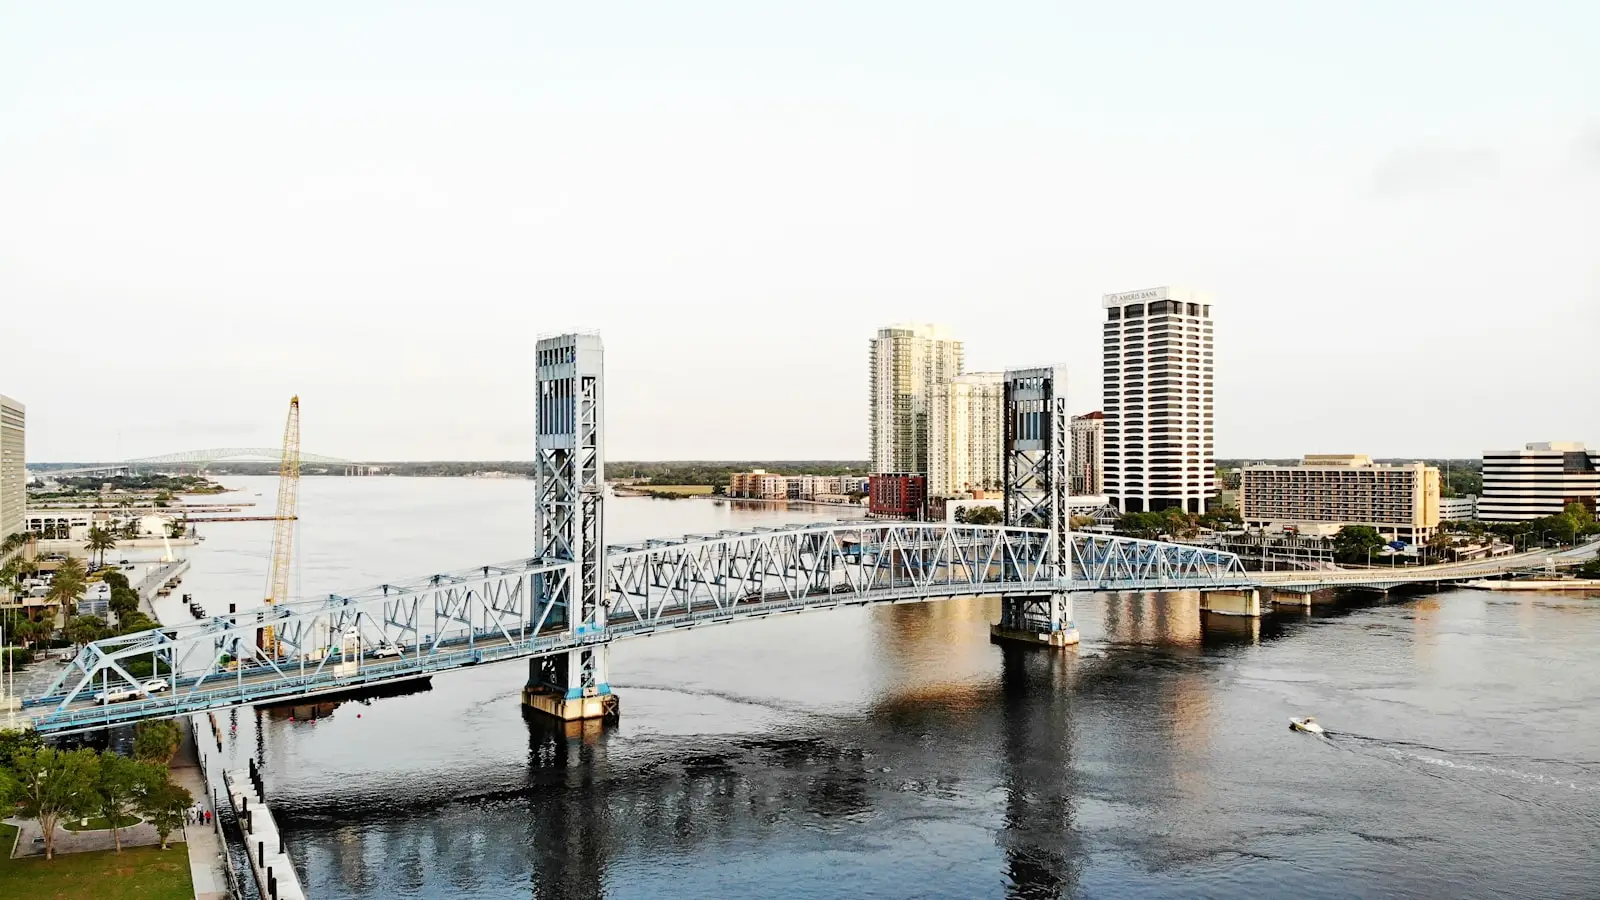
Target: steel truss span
517	610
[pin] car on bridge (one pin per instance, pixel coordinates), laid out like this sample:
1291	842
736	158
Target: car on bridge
386	650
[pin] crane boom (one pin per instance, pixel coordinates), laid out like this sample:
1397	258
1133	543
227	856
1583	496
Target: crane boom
283	527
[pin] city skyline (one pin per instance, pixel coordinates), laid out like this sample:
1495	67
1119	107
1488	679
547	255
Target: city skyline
737	198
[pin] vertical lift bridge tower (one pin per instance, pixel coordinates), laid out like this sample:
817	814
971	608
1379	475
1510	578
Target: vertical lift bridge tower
569	493
1037	443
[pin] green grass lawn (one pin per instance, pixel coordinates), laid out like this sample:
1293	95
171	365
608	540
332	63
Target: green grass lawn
137	873
99	823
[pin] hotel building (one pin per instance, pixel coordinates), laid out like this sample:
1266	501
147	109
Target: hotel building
1329	491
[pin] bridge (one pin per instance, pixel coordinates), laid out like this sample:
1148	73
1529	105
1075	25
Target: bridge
561	608
196	459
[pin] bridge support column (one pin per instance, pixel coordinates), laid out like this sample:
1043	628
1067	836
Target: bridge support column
572	686
1300	599
1233	602
1037	619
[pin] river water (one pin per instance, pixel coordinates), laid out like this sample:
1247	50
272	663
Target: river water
894	752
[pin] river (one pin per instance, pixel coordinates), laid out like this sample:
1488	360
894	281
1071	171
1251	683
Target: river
895	752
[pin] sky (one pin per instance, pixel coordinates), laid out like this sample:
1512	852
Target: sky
206	208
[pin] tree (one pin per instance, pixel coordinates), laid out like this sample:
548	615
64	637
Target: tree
100	540
1439	545
15	741
1077	522
1354	543
134	621
52	785
116	580
124	601
165	804
984	515
119	784
83	630
67	583
155	741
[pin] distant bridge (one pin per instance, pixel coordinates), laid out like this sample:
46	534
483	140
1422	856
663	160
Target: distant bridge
196	459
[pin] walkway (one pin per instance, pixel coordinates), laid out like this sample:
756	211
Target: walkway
207	857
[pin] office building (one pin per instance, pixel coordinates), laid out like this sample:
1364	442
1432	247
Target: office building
965	434
1156	376
1538	481
908	363
1087	463
13	476
1329	491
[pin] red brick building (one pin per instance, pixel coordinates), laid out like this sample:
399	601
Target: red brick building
897	495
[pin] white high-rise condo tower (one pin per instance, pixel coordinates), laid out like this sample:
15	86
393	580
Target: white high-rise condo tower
965	434
1157	392
908	363
13	478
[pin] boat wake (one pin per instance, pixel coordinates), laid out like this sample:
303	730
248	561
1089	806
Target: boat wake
1545	782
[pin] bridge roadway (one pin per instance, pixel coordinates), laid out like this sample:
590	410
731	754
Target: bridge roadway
1385	578
488	614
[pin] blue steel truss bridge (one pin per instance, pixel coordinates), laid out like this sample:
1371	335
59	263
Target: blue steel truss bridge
562	607
514	610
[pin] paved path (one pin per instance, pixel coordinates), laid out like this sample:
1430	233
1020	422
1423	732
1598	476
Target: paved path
29	843
207	857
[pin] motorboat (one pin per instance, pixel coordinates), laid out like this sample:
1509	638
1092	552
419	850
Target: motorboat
1308	725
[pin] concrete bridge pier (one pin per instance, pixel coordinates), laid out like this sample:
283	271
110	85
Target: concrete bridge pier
572	686
1295	599
1232	602
1036	619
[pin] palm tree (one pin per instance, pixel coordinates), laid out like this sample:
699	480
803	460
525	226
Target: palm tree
67	583
100	540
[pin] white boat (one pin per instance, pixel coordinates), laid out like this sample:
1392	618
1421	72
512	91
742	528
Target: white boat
1308	725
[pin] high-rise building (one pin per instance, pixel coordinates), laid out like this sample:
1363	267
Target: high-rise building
1329	491
1086	467
1157	391
965	434
1538	481
908	363
13	477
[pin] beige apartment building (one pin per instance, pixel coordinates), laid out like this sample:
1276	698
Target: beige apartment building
1329	491
965	434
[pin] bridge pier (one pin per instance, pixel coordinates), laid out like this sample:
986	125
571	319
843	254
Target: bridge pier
572	686
1232	602
1301	599
1036	619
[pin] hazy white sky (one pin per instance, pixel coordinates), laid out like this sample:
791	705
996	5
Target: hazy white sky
206	207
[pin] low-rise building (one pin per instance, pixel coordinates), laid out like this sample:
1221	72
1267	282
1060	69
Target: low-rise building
1458	509
1329	491
1538	481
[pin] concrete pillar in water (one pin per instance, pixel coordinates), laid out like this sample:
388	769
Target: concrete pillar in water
571	686
1232	602
1298	599
1038	619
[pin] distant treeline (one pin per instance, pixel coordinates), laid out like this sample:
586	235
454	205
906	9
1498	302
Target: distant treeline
714	473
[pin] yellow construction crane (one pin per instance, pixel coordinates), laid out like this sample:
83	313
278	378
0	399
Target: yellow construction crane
283	527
